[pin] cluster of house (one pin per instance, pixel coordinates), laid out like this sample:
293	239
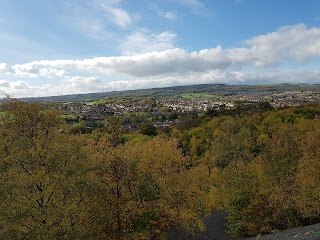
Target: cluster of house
277	100
160	107
193	104
155	108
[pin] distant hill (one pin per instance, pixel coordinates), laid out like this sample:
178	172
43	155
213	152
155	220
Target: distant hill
222	89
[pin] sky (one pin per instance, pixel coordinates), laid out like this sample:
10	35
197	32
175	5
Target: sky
59	47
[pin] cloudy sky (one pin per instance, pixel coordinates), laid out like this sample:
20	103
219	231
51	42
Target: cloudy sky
56	47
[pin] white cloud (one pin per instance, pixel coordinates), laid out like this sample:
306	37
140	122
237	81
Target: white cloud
52	72
195	5
27	70
160	64
114	13
83	80
291	42
21	86
79	84
90	26
31	71
148	64
22	89
5	68
97	19
4	84
83	84
215	76
170	15
294	43
143	42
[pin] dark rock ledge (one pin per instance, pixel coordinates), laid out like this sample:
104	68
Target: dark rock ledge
217	230
311	232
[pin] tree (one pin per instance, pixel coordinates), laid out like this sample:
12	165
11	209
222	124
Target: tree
307	179
148	129
40	172
180	200
142	190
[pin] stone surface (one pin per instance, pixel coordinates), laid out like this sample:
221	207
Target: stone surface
217	230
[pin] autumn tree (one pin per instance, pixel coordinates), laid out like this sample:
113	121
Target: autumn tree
141	190
40	175
307	178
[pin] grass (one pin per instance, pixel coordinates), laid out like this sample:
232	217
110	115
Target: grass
139	113
199	95
66	116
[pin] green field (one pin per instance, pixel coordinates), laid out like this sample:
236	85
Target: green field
67	116
198	95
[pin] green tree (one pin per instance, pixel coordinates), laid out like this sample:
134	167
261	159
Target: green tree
148	129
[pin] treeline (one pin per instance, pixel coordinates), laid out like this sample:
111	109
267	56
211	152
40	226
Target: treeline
263	168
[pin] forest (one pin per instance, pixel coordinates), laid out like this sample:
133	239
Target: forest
262	167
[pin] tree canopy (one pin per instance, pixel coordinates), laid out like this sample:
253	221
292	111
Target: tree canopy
262	167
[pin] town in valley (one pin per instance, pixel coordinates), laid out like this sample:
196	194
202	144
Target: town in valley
165	108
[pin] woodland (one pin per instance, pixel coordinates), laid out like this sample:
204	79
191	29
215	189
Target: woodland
262	167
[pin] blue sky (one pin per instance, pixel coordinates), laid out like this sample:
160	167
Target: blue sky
77	46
